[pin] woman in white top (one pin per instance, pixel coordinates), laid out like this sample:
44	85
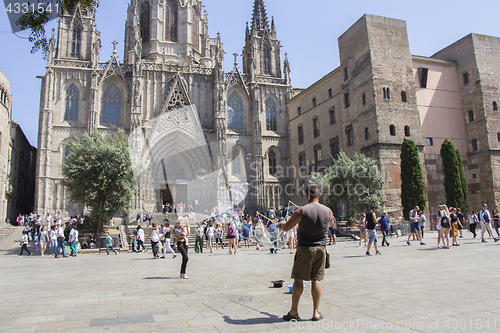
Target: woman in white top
140	239
445	225
210	235
154	235
43	239
53	239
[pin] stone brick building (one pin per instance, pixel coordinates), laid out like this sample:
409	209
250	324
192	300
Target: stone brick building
381	94
17	162
20	191
5	116
232	126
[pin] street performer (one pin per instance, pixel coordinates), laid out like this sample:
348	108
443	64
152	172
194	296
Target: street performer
313	221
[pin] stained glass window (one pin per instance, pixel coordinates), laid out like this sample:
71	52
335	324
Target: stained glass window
270	115
77	40
236	103
271	155
267	58
111	105
72	97
145	20
65	153
171	21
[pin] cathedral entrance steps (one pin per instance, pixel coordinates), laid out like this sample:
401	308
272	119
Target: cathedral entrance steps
7	229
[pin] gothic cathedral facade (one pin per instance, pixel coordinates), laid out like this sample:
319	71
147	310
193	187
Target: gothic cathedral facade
230	125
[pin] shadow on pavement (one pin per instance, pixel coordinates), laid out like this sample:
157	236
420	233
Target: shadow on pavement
254	321
157	278
360	256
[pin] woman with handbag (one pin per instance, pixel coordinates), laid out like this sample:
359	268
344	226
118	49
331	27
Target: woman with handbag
154	236
473	221
445	225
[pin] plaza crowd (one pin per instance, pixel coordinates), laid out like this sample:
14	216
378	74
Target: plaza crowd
450	226
52	235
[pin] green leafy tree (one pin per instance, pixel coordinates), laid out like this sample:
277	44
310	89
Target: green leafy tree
98	173
351	185
412	179
36	23
453	171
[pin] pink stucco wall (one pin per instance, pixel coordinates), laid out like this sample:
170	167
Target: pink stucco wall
440	105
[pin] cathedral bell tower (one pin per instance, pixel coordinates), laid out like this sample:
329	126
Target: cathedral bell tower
78	39
261	53
169	31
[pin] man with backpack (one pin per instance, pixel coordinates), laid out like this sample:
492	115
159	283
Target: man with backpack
485	220
414	225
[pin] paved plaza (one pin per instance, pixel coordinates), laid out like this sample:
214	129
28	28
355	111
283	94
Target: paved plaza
408	288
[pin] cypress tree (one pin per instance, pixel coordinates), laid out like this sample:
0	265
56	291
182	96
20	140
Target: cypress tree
464	204
412	179
452	179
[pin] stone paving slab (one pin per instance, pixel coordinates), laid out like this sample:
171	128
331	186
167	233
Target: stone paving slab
407	289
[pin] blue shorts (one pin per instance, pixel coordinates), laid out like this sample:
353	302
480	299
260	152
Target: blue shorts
372	236
414	227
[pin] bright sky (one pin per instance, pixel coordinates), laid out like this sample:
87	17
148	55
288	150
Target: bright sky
308	31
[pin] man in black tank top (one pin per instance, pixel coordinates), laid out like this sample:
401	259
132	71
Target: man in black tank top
371	222
313	221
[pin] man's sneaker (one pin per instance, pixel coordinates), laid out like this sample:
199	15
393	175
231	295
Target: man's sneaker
378	252
388	244
408	243
496	240
461	237
335	244
368	254
30	254
422	243
484	241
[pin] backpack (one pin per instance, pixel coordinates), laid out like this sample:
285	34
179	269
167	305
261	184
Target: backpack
484	216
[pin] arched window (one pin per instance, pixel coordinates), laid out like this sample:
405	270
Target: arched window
367	134
392	130
495	106
76	42
65	152
236	158
196	27
270	115
407	130
111	105
72	97
403	96
171	21
271	156
145	19
267	58
236	103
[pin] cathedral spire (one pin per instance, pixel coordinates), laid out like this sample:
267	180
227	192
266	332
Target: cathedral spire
260	24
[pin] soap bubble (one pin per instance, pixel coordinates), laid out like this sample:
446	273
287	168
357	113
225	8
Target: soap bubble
261	234
201	173
249	156
230	113
312	179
